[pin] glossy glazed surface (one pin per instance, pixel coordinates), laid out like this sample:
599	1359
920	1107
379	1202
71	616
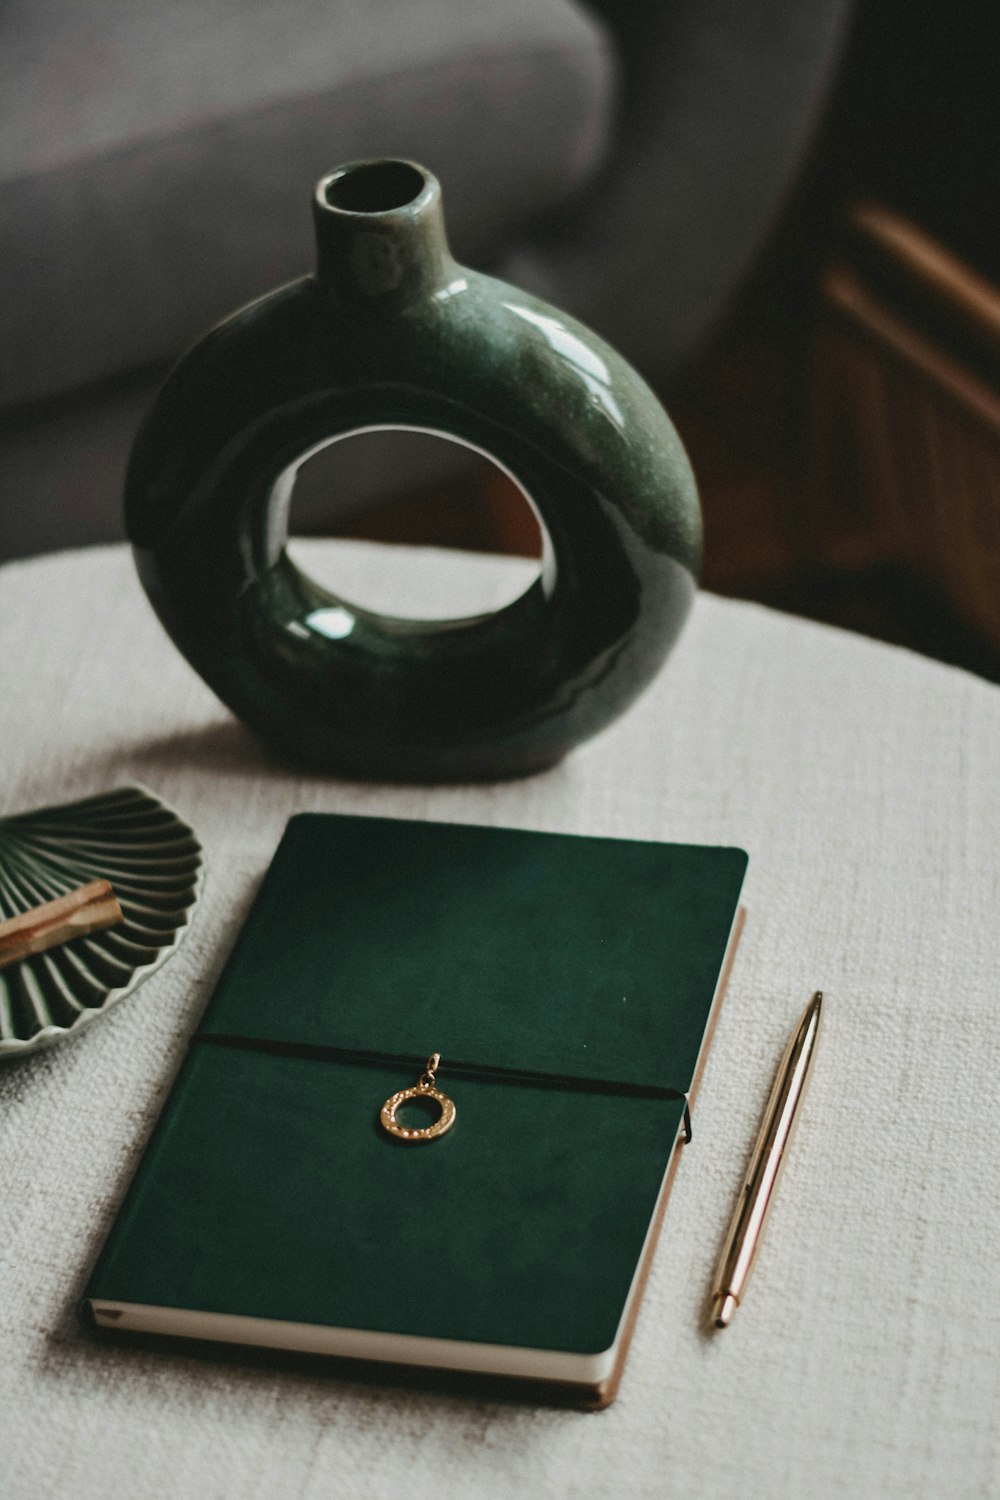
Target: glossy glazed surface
392	332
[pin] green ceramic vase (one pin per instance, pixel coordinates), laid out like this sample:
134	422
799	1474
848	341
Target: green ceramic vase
391	332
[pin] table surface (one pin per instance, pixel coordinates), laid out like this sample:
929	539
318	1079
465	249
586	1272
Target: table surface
863	782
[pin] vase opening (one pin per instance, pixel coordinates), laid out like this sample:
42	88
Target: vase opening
376	187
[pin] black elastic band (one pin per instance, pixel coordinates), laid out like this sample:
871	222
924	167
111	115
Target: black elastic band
451	1067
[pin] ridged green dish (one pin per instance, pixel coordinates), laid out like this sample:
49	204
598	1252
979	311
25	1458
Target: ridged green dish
154	862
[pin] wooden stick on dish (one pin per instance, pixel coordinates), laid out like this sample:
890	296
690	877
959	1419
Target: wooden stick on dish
89	908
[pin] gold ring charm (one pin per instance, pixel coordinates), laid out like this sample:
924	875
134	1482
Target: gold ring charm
422	1089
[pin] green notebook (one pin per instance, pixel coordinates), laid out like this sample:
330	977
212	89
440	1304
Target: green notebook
570	980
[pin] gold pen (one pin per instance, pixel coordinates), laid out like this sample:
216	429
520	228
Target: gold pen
765	1166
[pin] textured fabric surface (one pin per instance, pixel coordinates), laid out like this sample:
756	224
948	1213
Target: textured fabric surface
862	780
158	159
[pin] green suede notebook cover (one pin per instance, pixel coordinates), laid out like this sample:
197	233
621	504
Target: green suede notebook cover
268	1189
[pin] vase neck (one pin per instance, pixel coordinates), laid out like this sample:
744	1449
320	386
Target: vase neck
380	235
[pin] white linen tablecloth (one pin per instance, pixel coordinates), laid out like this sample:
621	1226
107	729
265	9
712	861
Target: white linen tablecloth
864	783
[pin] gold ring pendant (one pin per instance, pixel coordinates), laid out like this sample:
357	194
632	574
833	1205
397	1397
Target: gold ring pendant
422	1089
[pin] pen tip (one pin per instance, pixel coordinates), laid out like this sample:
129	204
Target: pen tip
725	1306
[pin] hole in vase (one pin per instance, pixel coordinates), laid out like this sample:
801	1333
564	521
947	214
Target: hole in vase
423	490
376	187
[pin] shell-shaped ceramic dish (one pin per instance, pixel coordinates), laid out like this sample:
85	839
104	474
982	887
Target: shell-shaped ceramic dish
154	863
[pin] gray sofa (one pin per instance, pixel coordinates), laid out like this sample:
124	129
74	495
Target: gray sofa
156	161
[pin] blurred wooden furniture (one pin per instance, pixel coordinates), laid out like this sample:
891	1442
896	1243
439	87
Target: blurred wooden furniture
903	443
